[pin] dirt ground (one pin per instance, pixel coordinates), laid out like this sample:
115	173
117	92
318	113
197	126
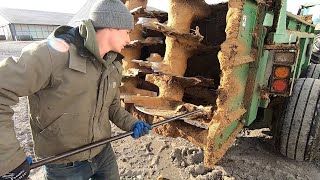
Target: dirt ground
252	155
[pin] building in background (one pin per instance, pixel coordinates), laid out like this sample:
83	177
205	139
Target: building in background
21	24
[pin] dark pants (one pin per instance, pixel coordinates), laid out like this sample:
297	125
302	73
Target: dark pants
102	166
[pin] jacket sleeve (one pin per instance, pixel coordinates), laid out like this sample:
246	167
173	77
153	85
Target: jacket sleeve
21	76
119	116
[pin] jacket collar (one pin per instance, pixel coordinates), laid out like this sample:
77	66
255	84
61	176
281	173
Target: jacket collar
72	35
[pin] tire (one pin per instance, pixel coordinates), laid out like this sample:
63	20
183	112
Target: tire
299	122
315	56
313	71
314	59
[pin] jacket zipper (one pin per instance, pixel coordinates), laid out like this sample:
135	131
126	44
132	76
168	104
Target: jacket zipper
95	109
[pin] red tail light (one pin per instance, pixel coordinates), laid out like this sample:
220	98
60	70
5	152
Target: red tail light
280	85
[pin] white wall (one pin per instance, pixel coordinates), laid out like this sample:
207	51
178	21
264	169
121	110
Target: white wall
5	30
2	30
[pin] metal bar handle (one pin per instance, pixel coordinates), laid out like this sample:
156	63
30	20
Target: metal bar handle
101	142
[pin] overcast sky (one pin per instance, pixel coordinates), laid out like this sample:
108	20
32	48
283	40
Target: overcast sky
72	6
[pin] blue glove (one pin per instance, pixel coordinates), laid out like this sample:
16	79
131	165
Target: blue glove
140	128
21	172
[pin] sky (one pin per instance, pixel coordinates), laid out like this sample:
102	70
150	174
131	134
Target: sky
72	6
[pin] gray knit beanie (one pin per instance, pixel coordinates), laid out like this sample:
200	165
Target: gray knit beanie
111	14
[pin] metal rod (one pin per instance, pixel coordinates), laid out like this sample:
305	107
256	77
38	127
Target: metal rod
101	142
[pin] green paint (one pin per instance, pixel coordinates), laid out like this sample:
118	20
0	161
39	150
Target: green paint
241	74
293	25
268	19
302	55
245	36
281	27
225	135
257	68
287	21
252	108
247	24
263	104
306	63
303	28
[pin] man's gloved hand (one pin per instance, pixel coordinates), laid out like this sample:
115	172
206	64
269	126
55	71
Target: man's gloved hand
20	173
140	128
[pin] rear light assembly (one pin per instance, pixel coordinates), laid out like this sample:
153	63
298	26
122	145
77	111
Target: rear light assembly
280	79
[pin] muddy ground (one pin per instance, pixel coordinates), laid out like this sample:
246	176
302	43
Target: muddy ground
251	157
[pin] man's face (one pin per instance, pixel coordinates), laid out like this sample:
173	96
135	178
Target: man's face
113	39
119	39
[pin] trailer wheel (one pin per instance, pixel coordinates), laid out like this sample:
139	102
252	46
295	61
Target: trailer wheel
313	71
298	127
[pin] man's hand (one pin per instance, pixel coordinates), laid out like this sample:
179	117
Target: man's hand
20	173
140	128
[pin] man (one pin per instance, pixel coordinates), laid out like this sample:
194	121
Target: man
71	80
